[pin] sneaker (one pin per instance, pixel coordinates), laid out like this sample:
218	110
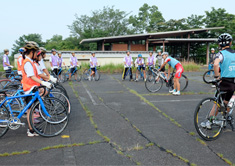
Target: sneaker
176	93
89	78
218	122
172	91
30	134
136	80
123	79
213	86
206	124
145	80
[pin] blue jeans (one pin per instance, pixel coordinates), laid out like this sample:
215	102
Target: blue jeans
210	67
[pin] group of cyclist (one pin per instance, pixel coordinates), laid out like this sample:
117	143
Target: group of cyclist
162	59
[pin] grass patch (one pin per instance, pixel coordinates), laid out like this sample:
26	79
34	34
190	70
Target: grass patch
149	144
201	141
190	66
192	133
136	147
226	160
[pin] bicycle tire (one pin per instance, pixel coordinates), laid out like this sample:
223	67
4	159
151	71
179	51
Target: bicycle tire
49	126
153	85
207	78
4	114
4	82
63	98
61	90
79	78
58	85
183	82
85	74
201	116
97	75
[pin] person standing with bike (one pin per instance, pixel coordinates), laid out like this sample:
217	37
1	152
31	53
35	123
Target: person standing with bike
140	66
211	59
151	59
128	62
175	64
61	62
93	64
6	63
20	61
54	62
225	61
73	64
30	77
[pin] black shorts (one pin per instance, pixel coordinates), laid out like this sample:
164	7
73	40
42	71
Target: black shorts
93	69
141	67
72	69
227	86
163	69
55	71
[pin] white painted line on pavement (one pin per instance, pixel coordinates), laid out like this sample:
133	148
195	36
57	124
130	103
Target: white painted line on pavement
89	94
166	101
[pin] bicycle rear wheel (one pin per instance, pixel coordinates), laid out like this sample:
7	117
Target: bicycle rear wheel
97	75
153	85
4	83
78	79
208	76
4	116
183	82
64	77
49	126
86	74
209	127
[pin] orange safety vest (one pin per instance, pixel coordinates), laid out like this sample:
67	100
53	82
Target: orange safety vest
27	82
19	67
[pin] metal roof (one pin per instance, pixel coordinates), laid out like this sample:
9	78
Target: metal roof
185	40
148	35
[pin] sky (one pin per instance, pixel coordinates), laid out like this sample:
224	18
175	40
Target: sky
51	17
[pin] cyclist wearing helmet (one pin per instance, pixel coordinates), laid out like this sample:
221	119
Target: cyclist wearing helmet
225	62
30	77
128	62
20	61
6	63
175	64
141	66
93	64
54	62
225	67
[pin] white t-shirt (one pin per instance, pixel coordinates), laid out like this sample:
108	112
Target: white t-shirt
28	68
42	65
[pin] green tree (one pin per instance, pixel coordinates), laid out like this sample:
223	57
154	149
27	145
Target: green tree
106	22
55	42
149	19
21	42
220	18
195	21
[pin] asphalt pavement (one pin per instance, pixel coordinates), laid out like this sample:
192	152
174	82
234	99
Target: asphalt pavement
115	122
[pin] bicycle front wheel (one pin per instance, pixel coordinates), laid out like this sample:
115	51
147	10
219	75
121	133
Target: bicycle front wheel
86	74
49	126
4	116
208	76
208	119
153	84
78	77
97	75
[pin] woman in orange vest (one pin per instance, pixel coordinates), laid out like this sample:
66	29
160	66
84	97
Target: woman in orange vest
30	77
20	61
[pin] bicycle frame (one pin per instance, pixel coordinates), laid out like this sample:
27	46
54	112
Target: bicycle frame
35	96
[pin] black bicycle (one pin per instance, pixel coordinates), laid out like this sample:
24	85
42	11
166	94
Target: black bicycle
155	82
211	117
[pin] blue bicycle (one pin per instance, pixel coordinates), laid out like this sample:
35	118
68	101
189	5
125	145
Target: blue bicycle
87	73
139	74
48	116
65	75
13	73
